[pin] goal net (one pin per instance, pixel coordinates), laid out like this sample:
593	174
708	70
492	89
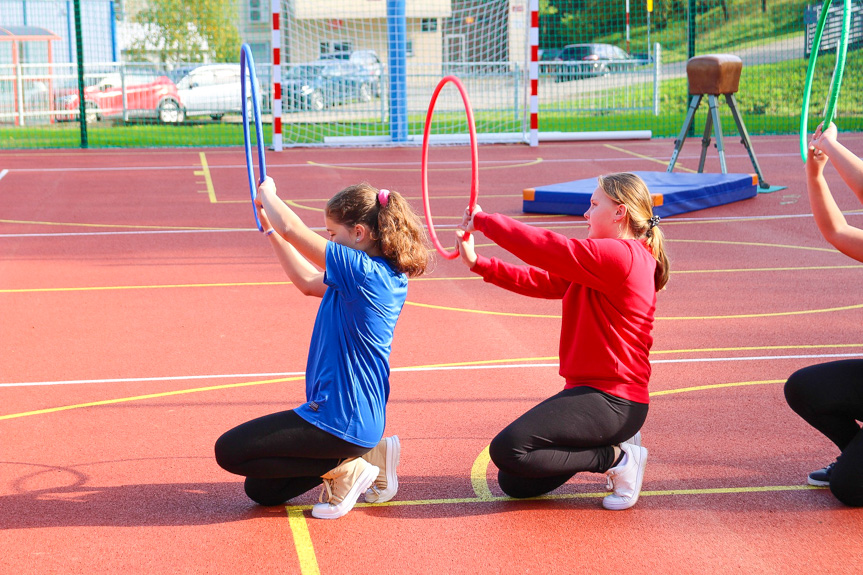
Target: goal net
337	60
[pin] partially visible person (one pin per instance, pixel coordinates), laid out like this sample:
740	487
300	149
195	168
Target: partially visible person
829	396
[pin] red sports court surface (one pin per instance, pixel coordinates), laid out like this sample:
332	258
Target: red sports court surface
142	316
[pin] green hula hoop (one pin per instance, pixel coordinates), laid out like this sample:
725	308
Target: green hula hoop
841	53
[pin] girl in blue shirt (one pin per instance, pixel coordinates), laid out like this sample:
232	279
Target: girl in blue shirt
376	242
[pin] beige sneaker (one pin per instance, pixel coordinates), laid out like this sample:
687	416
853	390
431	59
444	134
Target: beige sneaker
343	486
385	456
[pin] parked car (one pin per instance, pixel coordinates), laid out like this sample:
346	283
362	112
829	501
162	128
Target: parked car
324	83
213	90
148	95
585	60
368	62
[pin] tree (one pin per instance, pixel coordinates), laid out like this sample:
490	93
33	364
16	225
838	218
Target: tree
190	31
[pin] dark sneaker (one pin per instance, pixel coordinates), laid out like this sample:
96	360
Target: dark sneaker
821	477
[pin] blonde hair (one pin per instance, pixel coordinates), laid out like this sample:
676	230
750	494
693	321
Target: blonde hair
631	191
395	227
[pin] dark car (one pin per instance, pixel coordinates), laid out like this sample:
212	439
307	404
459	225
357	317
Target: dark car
368	62
586	60
325	83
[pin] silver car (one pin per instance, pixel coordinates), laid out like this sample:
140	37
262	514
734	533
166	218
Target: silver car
213	90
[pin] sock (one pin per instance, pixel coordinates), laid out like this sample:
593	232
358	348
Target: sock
619	459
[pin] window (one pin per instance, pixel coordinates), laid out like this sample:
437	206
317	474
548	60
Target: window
336	48
429	25
256	13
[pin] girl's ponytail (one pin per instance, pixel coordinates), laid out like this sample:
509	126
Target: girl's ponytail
631	191
401	235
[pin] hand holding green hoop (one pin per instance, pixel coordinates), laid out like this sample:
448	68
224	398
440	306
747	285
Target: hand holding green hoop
841	53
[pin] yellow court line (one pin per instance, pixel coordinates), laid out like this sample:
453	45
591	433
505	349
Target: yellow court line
438	307
479	311
147	396
564	496
658	318
756	244
303	542
478	479
417	168
787	269
121	226
714	386
758	348
301	207
402	369
301	533
643	157
458	197
167	286
760	315
208	179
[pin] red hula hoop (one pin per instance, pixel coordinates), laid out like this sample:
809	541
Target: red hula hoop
474	182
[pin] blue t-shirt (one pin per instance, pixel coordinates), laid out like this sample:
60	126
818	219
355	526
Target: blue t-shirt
347	373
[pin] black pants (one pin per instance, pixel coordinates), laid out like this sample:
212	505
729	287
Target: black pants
829	397
281	455
572	431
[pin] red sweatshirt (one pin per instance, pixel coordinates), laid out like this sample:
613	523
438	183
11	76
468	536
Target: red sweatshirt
608	296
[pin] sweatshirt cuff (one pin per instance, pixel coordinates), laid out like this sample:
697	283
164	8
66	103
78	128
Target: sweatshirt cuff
482	266
478	220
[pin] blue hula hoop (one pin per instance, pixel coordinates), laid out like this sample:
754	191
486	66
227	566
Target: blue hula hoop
247	61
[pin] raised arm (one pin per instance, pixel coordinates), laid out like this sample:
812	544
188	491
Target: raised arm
847	164
828	217
289	225
306	277
581	262
524	280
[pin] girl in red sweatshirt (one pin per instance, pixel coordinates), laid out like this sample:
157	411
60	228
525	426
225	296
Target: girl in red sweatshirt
608	284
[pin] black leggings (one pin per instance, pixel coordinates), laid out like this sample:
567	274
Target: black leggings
572	431
829	396
281	455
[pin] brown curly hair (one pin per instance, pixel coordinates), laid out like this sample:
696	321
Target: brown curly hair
396	228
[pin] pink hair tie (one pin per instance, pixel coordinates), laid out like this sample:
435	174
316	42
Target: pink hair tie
384	197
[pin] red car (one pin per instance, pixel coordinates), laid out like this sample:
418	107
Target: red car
147	96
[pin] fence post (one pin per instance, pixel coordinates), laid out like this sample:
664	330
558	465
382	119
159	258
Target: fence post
657	72
397	39
19	84
123	91
79	56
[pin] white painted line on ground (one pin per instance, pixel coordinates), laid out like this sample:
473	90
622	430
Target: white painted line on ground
420	368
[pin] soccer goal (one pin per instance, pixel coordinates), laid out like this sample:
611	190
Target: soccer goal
363	71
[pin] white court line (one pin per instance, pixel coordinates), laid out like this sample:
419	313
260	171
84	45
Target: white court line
3	173
415	369
377	164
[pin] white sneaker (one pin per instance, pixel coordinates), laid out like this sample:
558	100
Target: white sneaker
634	440
343	486
385	456
626	478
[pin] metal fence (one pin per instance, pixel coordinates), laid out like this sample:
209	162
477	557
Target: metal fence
132	72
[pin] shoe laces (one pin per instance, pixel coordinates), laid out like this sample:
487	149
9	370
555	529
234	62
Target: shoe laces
328	490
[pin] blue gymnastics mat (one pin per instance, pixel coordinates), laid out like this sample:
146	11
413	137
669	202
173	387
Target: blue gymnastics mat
674	193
